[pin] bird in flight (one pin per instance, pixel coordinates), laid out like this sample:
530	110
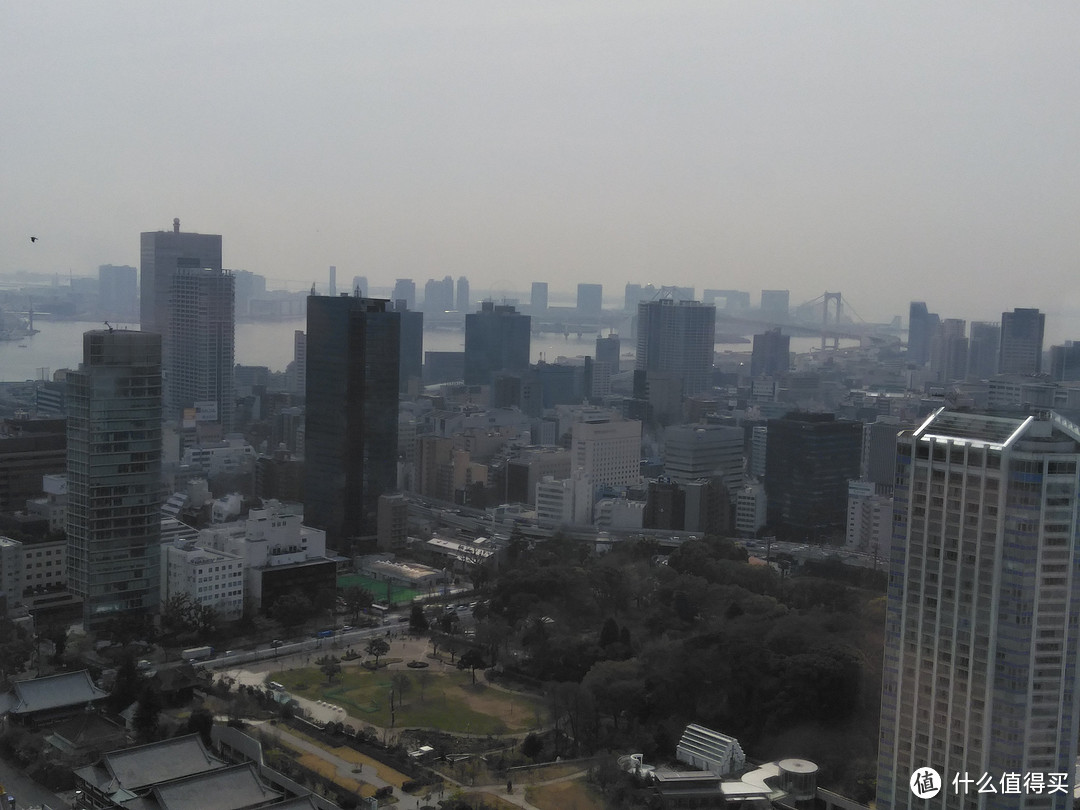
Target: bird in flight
33	238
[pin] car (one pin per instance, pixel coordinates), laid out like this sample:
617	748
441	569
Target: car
277	642
346	628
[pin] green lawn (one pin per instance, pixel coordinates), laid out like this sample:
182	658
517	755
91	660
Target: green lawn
450	701
398	594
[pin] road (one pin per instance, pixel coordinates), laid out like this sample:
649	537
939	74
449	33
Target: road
26	791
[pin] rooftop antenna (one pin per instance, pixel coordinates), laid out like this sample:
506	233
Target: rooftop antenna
107	326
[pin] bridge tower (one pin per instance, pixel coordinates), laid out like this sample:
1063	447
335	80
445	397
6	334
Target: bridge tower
839	310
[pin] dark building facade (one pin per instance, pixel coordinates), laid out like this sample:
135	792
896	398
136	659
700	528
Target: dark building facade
772	354
411	365
922	326
1065	362
351	414
984	342
29	449
1021	341
590	299
809	460
114	474
497	338
607	351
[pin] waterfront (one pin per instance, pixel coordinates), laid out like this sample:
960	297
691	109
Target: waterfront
58	345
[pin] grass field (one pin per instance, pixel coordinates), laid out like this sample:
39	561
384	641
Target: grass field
450	702
398	594
574	795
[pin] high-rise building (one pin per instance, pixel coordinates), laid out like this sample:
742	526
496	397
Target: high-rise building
677	338
438	295
922	326
359	286
590	299
607	351
879	453
703	451
462	301
199	366
298	371
538	301
332	288
497	338
118	292
351	419
405	290
1021	341
983	343
411	365
810	457
949	351
608	450
161	254
1065	362
775	305
983	613
771	355
114	474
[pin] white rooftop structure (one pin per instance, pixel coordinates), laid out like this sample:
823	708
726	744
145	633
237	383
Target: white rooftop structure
710	750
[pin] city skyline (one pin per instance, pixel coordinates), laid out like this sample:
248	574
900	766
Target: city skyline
891	153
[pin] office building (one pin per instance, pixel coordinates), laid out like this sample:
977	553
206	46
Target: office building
118	292
810	458
869	518
983	612
949	351
462	302
405	290
775	305
607	351
677	338
1065	362
199	363
1021	341
332	286
703	451
297	371
608	450
29	449
878	464
438	296
352	408
984	340
411	358
162	253
538	299
114	474
248	287
590	299
922	326
360	286
751	509
497	338
771	355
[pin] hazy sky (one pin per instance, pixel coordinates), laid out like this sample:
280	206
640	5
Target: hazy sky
891	151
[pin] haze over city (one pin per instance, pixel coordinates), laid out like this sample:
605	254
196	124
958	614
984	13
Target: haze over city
894	153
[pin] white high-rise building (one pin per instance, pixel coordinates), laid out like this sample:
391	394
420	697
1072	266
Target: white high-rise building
751	509
608	450
199	360
869	518
983	615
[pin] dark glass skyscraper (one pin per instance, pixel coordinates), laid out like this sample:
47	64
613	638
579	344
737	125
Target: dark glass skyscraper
353	346
771	355
1021	341
809	459
114	474
497	338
